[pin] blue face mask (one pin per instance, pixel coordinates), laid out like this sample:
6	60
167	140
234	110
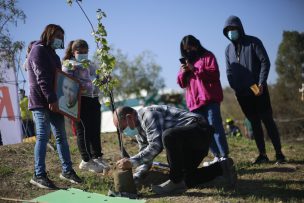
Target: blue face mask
80	57
130	132
57	44
233	35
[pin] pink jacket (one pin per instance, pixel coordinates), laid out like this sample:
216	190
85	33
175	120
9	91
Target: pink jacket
203	86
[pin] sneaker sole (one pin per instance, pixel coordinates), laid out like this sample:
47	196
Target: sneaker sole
41	186
85	169
64	178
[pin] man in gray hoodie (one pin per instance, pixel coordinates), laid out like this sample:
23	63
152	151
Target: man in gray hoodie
247	67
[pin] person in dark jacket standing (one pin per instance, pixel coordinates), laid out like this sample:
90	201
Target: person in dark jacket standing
43	102
247	67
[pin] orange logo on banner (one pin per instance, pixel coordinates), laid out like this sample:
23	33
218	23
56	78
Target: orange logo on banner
5	102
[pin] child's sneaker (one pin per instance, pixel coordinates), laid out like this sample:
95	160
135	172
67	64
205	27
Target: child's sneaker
102	163
90	166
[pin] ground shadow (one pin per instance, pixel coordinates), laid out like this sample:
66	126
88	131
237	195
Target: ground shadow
261	189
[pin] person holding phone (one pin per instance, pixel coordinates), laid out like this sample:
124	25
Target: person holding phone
199	76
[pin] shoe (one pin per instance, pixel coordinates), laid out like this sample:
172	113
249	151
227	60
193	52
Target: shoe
280	159
70	176
103	164
43	182
229	172
91	166
208	163
169	187
261	159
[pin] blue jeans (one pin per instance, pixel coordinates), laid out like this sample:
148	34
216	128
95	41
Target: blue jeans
212	113
45	120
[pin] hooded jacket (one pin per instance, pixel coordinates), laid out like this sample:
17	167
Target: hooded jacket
42	65
203	85
247	62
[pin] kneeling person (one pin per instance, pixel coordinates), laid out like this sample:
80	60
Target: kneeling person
184	135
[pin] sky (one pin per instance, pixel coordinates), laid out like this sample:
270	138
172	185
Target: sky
158	26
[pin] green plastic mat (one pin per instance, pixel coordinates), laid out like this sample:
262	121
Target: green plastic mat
73	195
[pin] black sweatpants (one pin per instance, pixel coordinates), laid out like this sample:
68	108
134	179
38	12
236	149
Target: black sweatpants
186	147
257	109
88	129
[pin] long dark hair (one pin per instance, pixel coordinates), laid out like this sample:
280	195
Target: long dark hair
190	40
48	34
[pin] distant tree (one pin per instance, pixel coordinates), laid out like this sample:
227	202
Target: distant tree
141	73
9	14
285	93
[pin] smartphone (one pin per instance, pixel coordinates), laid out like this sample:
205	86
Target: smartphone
183	61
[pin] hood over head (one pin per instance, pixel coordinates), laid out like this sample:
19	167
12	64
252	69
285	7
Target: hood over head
233	21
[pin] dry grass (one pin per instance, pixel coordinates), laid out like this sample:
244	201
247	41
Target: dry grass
262	183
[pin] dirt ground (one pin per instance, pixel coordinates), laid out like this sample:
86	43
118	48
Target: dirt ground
262	183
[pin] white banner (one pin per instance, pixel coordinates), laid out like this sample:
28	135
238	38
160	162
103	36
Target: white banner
10	121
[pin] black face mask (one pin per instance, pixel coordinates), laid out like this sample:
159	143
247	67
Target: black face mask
191	56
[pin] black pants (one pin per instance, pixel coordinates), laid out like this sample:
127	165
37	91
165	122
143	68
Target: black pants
257	109
88	129
186	147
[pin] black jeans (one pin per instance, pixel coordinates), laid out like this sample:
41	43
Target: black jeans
88	129
186	147
257	109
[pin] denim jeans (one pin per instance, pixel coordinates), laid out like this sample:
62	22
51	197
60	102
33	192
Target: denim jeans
45	120
212	113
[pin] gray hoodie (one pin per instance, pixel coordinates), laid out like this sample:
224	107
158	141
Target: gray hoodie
247	62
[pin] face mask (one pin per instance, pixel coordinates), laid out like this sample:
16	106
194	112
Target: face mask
191	56
57	44
80	57
233	35
130	132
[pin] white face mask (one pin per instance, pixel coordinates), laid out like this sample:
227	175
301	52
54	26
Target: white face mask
80	57
57	44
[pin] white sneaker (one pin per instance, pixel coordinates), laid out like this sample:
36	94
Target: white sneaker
208	163
90	166
102	163
169	187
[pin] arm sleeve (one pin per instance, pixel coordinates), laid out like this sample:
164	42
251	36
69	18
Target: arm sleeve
209	70
228	69
153	131
183	78
265	63
43	72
